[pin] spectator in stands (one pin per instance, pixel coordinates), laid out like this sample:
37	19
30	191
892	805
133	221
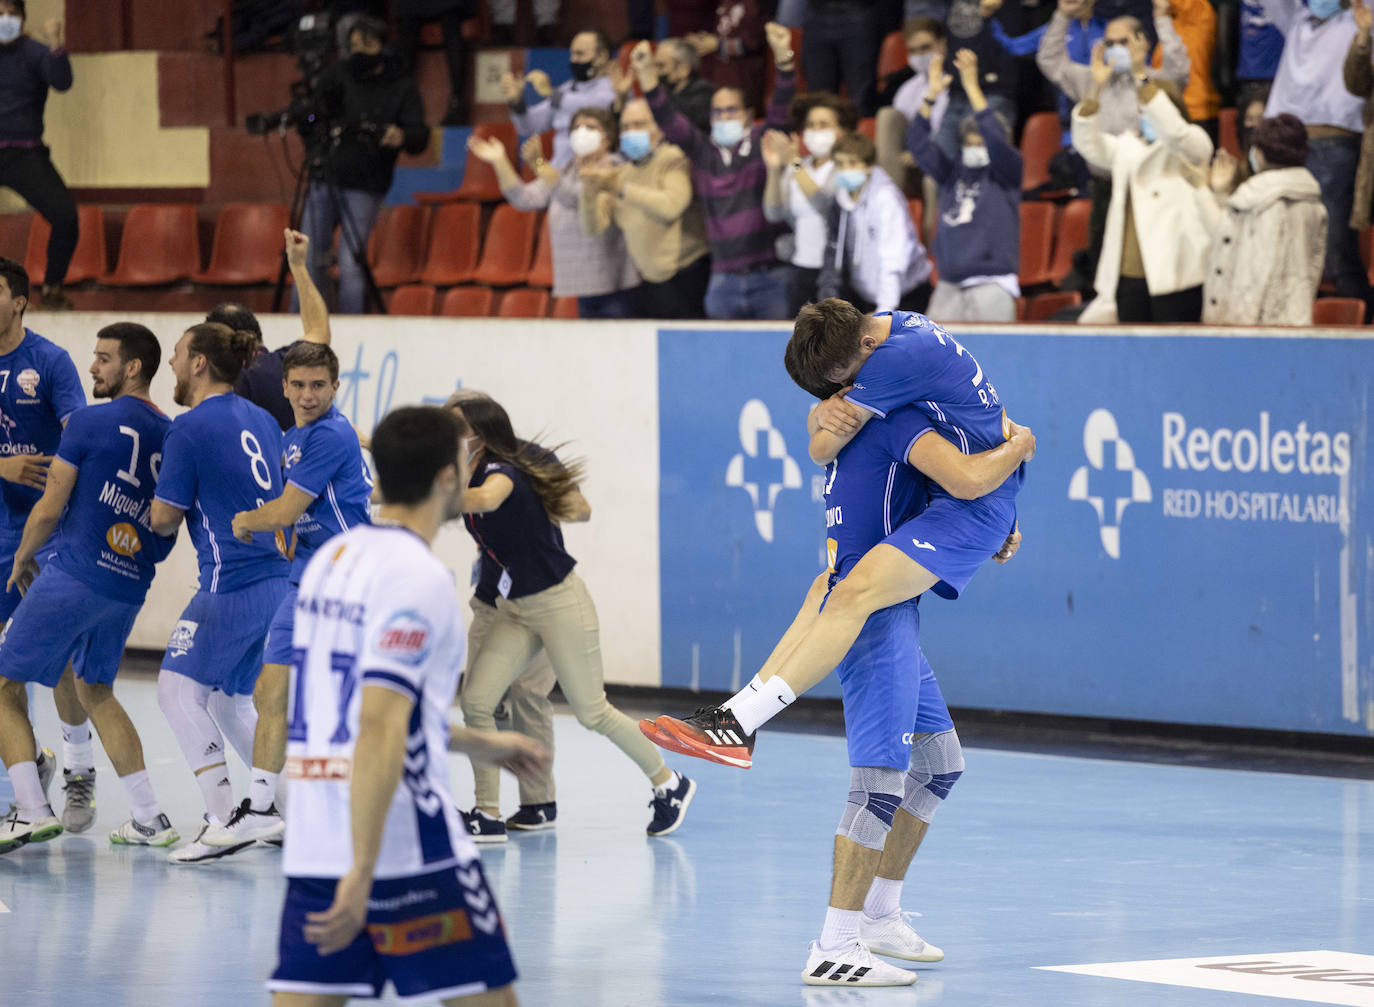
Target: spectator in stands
28	68
1310	85
410	15
545	23
1251	114
840	46
800	190
1156	244
381	114
978	244
873	259
589	57
1261	46
728	177
1195	21
969	28
733	51
596	270
925	40
679	67
1269	239
1359	81
649	198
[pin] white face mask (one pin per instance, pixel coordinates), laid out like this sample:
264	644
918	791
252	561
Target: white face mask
1254	161
920	63
585	140
819	141
976	157
11	26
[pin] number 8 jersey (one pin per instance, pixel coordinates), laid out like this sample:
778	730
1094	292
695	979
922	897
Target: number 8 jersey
218	459
375	608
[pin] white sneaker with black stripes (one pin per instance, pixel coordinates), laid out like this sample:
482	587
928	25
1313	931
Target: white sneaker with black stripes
852	965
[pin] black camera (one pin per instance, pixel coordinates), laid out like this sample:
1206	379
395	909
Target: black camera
311	41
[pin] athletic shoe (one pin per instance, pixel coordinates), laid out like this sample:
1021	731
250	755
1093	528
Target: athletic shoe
245	826
78	814
19	829
47	765
533	817
482	827
664	740
274	843
892	936
158	832
671	808
198	852
713	734
852	965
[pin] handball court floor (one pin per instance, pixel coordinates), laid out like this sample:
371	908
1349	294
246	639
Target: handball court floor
1037	860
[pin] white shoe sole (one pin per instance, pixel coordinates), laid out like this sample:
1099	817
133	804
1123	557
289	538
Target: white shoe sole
681	811
929	955
246	835
211	854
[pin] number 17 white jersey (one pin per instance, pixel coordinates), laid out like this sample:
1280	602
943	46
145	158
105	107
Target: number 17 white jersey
375	608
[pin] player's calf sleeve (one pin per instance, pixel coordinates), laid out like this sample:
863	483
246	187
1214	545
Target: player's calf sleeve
185	704
937	762
874	796
237	718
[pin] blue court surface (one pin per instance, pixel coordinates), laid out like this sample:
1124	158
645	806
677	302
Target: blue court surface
1035	861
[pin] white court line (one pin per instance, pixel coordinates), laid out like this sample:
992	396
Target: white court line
4	908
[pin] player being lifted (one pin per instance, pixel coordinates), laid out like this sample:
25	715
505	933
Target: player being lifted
891	360
327	491
100	486
219	458
383	884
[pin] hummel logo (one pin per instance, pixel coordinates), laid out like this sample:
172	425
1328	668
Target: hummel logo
726	737
823	971
922	545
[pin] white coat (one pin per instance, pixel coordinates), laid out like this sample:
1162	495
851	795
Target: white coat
888	258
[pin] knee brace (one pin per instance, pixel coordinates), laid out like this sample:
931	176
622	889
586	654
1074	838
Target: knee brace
874	794
237	719
937	762
185	704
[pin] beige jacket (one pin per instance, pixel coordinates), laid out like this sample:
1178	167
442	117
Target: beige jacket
1270	243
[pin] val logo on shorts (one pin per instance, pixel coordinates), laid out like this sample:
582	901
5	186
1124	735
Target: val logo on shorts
123	539
406	637
183	638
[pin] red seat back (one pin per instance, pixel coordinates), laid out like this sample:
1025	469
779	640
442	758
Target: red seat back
1037	237
397	246
479	178
541	273
467	302
1042	306
89	259
565	307
892	56
412	299
1226	132
524	302
455	238
1039	142
1343	311
506	252
248	244
159	245
1070	235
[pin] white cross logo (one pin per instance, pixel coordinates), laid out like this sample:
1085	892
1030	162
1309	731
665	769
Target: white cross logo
764	469
1108	488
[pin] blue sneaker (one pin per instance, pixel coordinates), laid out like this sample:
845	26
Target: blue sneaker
482	827
533	817
670	807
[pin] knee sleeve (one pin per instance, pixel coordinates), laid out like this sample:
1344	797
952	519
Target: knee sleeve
874	795
937	762
185	704
237	719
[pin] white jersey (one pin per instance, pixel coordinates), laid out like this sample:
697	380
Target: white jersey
375	608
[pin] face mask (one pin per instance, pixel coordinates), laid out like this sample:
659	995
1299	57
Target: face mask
581	72
362	64
819	141
976	157
585	140
727	132
1254	161
921	63
1324	9
11	25
634	144
1147	131
851	179
1119	57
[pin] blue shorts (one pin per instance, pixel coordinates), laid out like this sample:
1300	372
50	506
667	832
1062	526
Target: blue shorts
218	640
9	545
278	648
953	538
436	936
889	690
62	619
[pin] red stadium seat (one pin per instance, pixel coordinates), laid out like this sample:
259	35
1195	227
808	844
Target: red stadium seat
869	127
467	302
1039	142
1226	132
412	299
541	273
1070	235
1042	306
479	179
88	261
1037	237
247	246
892	56
1342	311
159	246
565	307
455	238
506	253
524	302
397	247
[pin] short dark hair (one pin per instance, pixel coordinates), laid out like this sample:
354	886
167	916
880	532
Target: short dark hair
684	52
603	41
1283	141
14	274
856	145
845	110
410	447
371	28
136	342
305	354
236	317
825	339
226	351
18	5
604	118
738	92
926	24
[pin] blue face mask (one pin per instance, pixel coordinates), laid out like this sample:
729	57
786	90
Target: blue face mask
1147	131
1324	9
1119	57
634	144
727	132
851	179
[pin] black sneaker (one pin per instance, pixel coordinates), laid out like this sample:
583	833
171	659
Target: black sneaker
482	827
533	817
713	734
670	808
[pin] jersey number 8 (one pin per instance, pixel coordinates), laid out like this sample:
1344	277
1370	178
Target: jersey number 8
262	475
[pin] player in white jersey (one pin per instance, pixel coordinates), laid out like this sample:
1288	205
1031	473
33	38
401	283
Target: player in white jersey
383	882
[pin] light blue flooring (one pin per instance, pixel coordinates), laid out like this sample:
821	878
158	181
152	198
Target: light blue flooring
1034	861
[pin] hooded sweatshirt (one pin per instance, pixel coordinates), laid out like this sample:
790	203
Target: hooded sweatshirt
877	238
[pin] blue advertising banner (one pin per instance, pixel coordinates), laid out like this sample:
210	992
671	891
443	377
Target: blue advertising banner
1199	532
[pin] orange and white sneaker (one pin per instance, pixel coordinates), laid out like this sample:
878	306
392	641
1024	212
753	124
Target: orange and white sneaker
711	733
664	740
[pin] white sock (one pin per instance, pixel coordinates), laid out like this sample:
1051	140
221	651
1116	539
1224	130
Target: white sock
218	793
28	792
668	784
841	928
142	801
759	702
884	898
76	748
262	789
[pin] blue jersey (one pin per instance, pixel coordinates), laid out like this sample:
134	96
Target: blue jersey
39	391
870	488
324	459
105	539
921	364
218	460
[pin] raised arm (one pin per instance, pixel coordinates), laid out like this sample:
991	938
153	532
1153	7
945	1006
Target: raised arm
56	65
676	127
1053	55
785	80
1190	142
1175	64
1096	147
919	139
314	311
1358	73
968	477
529	119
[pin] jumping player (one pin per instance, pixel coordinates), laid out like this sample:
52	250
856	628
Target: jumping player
219	459
100	486
383	884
